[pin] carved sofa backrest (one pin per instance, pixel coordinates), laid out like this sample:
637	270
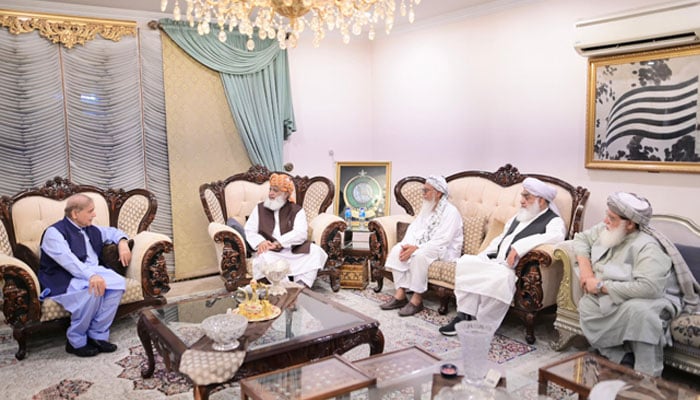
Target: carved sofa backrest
236	196
27	214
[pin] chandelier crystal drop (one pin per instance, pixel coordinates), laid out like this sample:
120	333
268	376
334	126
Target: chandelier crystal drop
286	20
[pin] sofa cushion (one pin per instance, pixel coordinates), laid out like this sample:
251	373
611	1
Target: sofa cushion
686	329
51	310
494	229
442	272
474	229
691	255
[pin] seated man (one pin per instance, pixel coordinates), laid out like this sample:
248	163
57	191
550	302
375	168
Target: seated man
70	274
631	289
277	230
435	234
485	283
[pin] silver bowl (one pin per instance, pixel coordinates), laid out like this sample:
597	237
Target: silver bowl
224	330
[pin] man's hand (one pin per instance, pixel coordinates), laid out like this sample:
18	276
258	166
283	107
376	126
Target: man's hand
586	274
512	258
268	245
97	285
407	251
124	252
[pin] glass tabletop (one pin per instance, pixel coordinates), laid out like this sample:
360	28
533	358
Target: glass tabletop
308	315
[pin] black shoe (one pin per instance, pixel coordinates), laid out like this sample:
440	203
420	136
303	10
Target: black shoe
450	329
86	351
628	360
102	346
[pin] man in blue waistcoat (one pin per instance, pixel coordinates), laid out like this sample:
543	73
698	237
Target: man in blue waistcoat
70	274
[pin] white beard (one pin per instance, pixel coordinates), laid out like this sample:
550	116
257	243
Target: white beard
528	213
427	208
610	238
275	204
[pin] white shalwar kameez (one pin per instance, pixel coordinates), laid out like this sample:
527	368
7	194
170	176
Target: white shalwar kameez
437	238
302	266
484	287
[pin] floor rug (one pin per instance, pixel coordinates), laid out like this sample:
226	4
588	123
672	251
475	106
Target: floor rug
49	372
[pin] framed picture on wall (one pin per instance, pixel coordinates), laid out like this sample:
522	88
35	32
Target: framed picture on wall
362	185
643	111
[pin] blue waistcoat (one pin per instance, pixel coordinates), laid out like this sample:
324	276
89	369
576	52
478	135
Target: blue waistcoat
51	274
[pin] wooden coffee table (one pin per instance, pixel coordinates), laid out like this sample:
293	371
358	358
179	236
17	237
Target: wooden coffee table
582	371
310	327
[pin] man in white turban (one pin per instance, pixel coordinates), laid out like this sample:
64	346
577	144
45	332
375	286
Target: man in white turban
485	283
631	292
435	234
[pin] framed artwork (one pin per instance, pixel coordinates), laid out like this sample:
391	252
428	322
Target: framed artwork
362	185
642	111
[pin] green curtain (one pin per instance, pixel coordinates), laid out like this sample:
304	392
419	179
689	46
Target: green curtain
256	84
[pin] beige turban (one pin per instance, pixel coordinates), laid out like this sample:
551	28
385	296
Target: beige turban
438	183
283	183
630	206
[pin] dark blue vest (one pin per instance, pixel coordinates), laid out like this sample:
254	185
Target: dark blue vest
51	274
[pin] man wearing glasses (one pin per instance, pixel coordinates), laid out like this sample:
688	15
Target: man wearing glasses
435	234
485	283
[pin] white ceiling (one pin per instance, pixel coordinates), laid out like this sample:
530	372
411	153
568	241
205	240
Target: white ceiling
427	9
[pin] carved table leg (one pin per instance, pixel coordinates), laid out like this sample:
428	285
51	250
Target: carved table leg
376	345
145	338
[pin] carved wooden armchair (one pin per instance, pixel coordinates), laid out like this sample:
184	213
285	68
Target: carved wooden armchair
27	214
236	196
486	201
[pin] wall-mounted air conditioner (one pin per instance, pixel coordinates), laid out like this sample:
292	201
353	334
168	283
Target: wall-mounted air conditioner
663	25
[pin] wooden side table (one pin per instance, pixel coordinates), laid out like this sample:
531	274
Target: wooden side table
329	377
354	272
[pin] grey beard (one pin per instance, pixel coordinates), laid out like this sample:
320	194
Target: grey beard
528	213
275	204
611	238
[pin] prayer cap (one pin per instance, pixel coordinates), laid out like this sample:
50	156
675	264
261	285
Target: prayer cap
540	189
438	183
630	206
283	183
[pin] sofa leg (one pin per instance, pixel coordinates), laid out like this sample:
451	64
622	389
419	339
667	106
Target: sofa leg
564	339
334	277
529	319
22	342
378	276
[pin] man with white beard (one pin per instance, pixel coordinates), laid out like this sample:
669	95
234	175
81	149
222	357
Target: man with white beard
485	283
635	282
277	229
435	234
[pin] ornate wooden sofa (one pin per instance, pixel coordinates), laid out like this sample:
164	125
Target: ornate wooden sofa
486	201
684	354
27	214
237	195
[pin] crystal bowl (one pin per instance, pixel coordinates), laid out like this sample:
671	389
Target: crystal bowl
224	330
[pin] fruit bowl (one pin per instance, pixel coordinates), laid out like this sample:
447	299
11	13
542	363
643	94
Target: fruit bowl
224	330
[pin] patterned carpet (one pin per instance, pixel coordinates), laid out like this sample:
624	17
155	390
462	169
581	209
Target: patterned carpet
50	373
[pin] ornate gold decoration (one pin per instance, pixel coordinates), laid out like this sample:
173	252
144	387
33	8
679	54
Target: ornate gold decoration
65	29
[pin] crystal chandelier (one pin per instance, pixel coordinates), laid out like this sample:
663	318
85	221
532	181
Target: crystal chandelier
285	20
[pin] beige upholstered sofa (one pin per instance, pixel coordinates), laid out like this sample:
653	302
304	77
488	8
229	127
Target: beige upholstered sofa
24	218
486	200
236	196
684	354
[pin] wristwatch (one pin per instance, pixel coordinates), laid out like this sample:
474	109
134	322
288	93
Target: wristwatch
599	287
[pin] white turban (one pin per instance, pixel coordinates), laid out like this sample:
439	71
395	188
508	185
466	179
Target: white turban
438	183
540	189
630	206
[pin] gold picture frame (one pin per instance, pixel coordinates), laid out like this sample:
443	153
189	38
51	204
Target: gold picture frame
642	111
362	184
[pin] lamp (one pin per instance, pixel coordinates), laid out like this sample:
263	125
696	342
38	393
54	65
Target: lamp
285	20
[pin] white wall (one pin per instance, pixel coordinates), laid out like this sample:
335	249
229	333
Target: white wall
477	93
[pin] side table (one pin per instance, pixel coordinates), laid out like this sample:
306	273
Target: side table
354	272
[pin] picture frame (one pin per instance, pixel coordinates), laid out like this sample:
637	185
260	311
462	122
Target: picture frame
363	184
642	111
